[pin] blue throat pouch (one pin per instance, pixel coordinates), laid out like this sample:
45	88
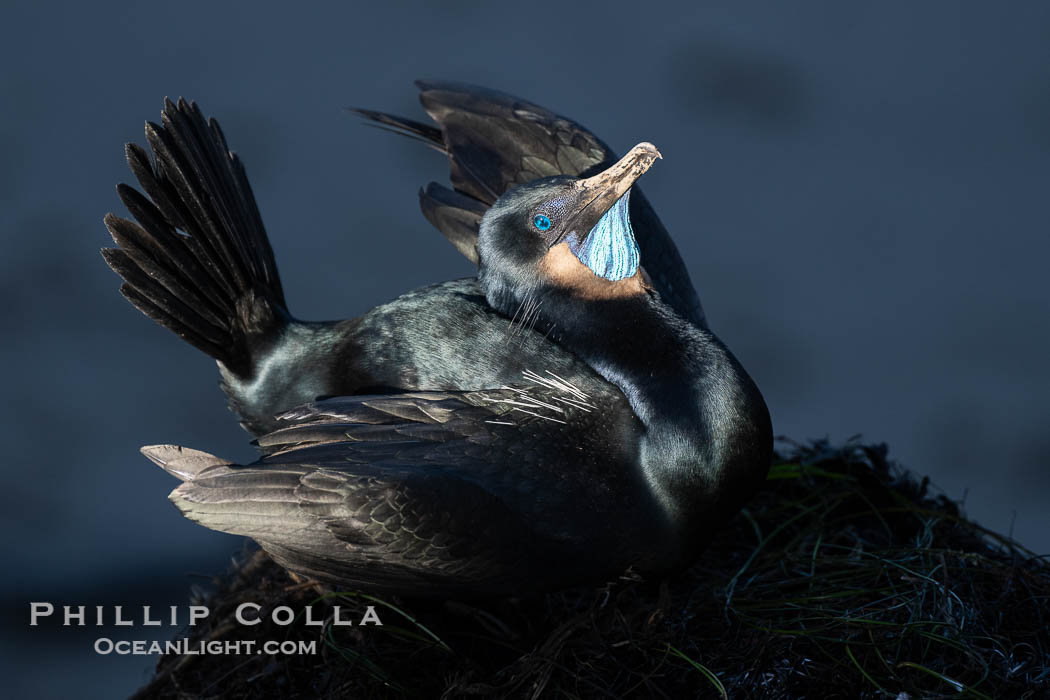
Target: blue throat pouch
610	250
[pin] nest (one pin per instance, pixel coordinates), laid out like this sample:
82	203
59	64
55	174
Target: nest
844	577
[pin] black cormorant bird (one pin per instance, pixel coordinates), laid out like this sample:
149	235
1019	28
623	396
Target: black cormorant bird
513	490
623	437
199	262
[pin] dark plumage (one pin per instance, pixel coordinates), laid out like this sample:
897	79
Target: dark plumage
217	286
548	427
494	142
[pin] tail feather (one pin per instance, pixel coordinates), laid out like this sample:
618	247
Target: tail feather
163	264
195	217
162	216
198	261
157	295
219	206
186	332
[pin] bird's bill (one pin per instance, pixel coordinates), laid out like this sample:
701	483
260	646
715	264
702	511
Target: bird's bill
599	192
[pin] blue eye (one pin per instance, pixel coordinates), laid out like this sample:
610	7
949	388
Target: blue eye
541	222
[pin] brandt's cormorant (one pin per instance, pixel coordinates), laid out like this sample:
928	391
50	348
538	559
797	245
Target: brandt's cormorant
620	432
199	262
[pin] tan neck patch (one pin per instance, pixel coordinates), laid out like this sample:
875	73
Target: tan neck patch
566	270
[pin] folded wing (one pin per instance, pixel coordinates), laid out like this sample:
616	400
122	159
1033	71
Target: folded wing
429	493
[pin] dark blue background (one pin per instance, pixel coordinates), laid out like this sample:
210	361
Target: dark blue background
859	190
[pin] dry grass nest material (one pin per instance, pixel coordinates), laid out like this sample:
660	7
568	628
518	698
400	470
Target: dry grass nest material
843	578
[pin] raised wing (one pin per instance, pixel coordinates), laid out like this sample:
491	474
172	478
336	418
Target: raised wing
495	141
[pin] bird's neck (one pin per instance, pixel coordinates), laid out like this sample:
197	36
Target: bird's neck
707	431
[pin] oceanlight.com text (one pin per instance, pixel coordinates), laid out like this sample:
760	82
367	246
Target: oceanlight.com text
187	647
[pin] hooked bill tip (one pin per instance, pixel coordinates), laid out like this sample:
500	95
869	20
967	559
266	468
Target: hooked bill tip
646	148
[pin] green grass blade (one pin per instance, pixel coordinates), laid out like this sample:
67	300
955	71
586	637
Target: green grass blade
391	606
849	653
707	673
959	686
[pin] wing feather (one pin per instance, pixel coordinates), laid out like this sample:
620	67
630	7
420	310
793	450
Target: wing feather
495	141
427	492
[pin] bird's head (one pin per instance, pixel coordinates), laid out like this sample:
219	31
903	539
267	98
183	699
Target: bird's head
564	233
